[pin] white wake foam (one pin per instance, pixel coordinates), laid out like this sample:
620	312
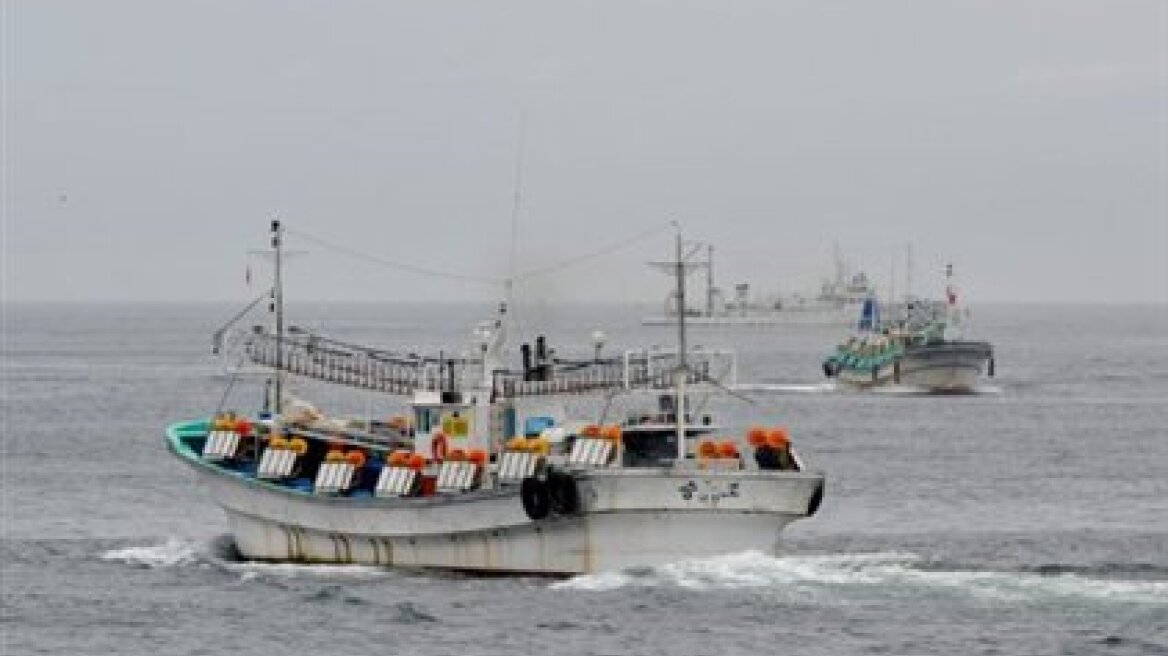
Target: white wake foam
855	574
171	553
250	570
179	553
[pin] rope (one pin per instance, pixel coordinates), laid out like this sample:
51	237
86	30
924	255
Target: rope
393	264
610	248
230	384
485	280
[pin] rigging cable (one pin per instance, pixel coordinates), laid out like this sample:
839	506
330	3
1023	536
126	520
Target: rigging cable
394	264
230	384
485	280
610	248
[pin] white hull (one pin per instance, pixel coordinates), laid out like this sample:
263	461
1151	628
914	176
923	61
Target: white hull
628	518
844	317
940	369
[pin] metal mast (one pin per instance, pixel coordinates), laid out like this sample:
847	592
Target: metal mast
278	309
681	372
710	280
892	285
679	267
908	271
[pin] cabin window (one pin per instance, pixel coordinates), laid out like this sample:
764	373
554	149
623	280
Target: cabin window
649	449
428	418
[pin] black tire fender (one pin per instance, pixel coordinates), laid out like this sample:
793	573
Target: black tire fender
563	492
536	498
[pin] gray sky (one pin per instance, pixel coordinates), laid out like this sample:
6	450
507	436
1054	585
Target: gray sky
147	144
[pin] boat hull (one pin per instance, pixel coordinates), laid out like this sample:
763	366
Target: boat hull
627	518
558	546
952	367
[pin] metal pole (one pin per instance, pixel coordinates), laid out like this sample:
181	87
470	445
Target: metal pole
710	280
680	374
908	271
680	304
277	246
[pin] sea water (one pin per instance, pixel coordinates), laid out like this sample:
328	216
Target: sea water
1028	518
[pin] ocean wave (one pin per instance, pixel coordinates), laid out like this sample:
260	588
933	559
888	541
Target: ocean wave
888	572
830	387
911	390
221	554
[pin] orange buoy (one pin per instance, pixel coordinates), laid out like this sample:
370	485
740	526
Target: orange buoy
334	456
611	432
727	449
456	455
591	430
243	427
776	438
707	449
398	458
756	436
298	445
477	456
355	458
415	461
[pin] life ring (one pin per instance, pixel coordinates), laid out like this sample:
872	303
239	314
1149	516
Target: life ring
439	446
563	493
536	498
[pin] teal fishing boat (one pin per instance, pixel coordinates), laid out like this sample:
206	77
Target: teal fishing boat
920	346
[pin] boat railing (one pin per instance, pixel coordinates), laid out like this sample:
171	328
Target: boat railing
353	366
405	374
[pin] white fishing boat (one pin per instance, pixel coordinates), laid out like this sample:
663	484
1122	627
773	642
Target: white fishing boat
474	479
919	346
836	303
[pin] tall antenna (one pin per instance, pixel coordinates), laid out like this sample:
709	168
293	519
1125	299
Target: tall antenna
516	203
